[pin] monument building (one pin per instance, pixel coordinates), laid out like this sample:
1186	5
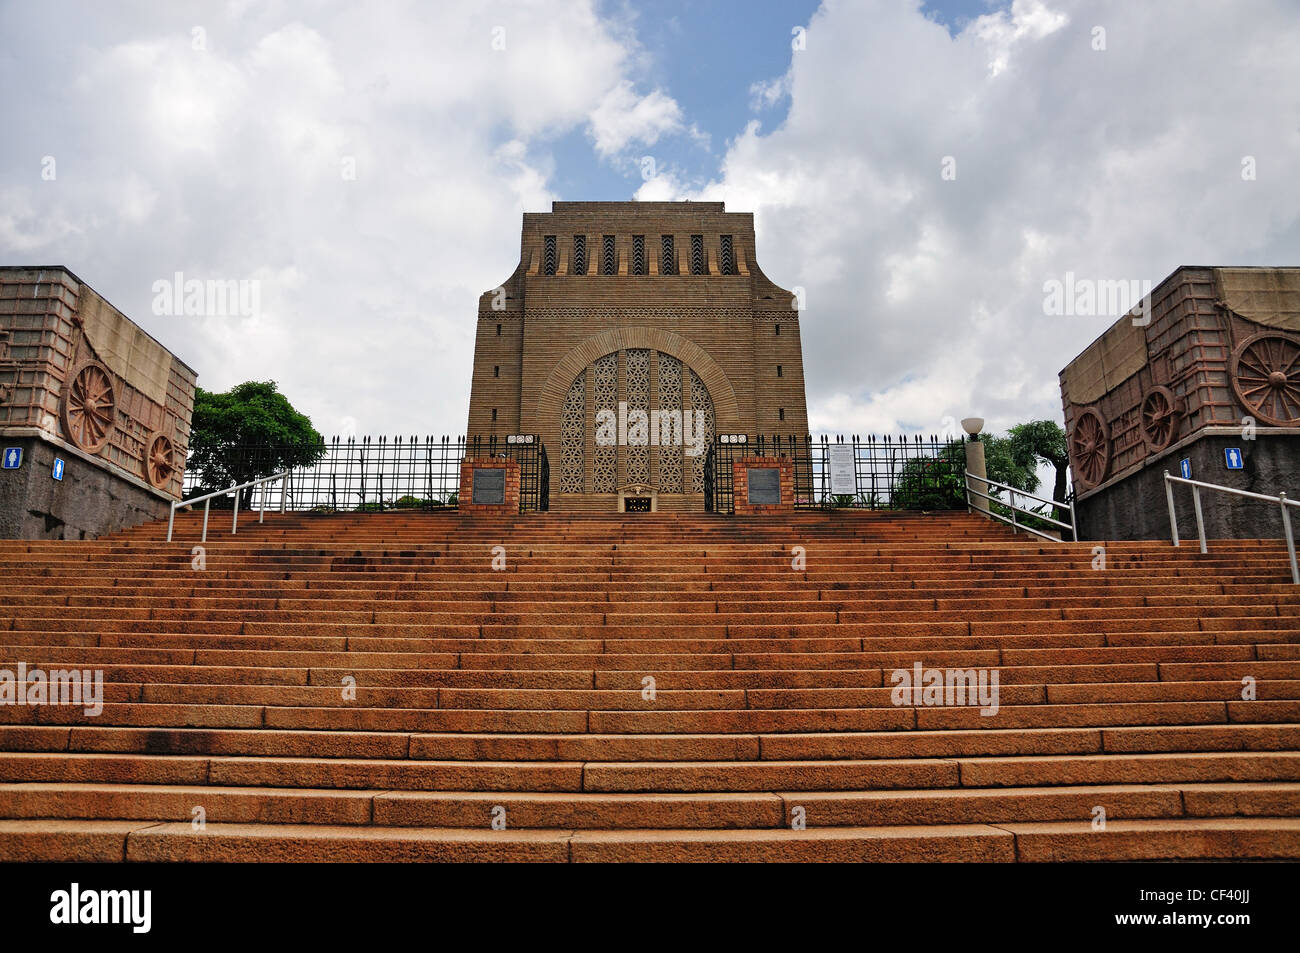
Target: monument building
628	336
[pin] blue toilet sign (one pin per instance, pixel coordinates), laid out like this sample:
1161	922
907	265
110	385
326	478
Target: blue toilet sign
13	458
1232	455
57	472
1185	467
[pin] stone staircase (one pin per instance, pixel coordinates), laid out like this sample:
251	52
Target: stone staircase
656	687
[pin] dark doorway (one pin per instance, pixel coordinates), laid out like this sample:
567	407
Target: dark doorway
636	504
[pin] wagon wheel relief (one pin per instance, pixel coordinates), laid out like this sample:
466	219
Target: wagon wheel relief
1161	412
1090	448
160	460
1266	376
89	407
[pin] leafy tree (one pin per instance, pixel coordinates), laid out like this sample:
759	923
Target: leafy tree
938	483
932	482
1004	463
1043	440
247	432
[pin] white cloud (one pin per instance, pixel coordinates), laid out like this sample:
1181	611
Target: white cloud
925	296
623	119
765	94
1003	30
228	163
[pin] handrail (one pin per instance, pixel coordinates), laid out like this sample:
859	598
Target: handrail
1197	485
206	500
1016	526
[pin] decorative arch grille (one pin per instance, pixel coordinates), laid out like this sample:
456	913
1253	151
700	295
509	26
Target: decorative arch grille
670	399
573	418
606	398
674	390
637	462
701	403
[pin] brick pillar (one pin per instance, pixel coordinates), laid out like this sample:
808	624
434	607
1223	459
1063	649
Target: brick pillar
740	484
467	468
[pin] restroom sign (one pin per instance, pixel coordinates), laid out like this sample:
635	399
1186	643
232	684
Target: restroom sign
1185	467
57	472
1232	456
13	458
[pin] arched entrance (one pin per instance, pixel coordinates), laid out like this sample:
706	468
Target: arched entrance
635	425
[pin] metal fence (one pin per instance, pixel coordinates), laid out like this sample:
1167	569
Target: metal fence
376	474
903	473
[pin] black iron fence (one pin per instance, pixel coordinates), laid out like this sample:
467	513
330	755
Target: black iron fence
903	473
373	474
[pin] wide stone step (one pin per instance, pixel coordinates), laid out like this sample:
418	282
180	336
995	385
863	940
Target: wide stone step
614	811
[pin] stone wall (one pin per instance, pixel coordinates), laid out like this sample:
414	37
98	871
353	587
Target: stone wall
92	498
1136	507
79	380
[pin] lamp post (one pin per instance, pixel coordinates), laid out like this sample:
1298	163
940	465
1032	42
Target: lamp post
975	461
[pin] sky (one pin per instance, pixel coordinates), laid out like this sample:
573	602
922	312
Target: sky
922	170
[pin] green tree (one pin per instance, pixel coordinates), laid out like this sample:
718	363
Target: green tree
932	482
1005	463
937	482
1043	440
247	432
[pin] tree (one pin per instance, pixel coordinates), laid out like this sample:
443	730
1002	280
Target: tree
248	432
932	482
936	482
1005	463
1043	440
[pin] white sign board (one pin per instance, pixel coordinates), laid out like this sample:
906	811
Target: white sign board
844	478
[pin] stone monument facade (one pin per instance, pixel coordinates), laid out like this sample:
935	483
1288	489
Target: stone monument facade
629	334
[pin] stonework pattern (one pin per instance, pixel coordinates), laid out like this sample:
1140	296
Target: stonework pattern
605	374
573	436
638	398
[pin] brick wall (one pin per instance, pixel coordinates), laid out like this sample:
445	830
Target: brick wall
740	477
467	468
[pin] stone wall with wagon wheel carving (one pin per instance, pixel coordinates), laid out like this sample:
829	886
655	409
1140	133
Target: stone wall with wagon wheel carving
75	367
1191	362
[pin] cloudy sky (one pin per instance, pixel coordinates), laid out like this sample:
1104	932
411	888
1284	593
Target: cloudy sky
921	169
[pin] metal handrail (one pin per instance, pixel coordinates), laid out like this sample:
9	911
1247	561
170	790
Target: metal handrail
207	498
1016	526
1197	485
